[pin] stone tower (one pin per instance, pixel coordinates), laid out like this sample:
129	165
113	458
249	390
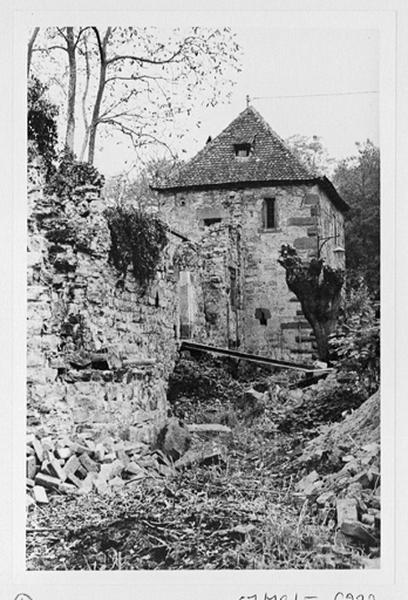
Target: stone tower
238	200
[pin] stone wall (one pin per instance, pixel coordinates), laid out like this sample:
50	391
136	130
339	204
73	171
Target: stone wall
99	352
227	225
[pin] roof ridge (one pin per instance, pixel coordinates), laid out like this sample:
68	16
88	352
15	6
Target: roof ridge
270	158
282	141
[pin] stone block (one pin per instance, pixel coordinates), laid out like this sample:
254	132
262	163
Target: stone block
359	533
296	325
46	481
71	466
55	469
346	509
301	221
87	462
311	199
40	495
305	243
31	467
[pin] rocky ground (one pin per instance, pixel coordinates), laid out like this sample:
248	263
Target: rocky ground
251	472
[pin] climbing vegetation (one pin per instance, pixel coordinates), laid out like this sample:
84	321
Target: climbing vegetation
137	240
41	123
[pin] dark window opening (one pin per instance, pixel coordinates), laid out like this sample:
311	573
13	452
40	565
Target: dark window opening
157	300
242	150
208	222
269	213
262	314
234	295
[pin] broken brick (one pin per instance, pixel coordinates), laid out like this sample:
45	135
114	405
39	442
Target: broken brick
346	510
358	532
40	495
71	465
88	463
55	469
47	481
38	449
31	467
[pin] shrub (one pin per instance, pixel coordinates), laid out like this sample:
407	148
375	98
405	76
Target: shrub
42	123
356	345
71	174
138	240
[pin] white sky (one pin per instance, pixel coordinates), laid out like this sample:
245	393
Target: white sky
291	62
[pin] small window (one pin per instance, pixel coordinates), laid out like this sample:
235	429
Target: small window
242	150
269	214
262	314
212	221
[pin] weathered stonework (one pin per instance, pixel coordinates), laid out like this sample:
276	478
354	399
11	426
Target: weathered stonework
99	353
239	199
264	316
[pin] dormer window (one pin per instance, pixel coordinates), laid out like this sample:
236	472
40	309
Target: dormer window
242	150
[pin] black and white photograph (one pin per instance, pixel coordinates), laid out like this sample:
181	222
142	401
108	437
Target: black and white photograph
203	298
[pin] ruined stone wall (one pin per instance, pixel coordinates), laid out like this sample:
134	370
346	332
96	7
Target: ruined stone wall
268	319
99	352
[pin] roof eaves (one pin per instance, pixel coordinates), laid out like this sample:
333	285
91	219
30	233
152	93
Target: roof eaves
332	193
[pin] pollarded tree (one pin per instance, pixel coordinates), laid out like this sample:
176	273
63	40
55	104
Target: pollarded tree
318	288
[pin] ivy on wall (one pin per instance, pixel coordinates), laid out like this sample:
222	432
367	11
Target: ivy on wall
137	240
41	124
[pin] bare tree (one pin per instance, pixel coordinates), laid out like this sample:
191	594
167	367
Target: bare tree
30	48
136	81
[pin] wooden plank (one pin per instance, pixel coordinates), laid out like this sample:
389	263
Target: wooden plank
284	364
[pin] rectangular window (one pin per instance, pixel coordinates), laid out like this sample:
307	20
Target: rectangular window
269	213
212	221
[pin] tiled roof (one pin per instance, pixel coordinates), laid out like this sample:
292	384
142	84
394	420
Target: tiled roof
269	160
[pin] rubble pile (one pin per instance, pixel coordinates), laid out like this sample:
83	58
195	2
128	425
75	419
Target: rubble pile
343	483
82	465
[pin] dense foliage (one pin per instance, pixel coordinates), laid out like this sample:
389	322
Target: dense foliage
356	344
138	240
71	174
358	182
41	123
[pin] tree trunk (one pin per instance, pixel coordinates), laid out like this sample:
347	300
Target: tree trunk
84	97
318	289
30	49
98	101
95	115
70	132
321	332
